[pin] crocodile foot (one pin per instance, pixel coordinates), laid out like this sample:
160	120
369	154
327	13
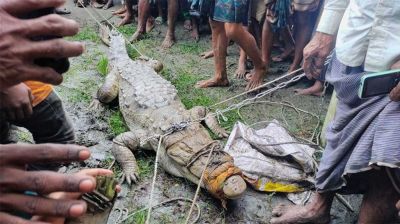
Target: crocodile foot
130	176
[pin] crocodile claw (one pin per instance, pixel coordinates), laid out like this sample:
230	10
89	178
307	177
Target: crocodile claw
130	178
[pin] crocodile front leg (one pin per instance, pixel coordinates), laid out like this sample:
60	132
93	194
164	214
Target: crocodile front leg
110	88
211	122
123	147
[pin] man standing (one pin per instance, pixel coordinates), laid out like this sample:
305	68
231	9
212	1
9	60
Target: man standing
362	153
227	22
143	16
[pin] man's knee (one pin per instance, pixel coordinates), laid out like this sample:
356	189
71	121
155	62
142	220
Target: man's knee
233	29
217	26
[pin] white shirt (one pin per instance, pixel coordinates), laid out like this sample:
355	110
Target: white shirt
368	31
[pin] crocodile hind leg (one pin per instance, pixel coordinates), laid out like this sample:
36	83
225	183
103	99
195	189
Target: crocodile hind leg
211	122
123	147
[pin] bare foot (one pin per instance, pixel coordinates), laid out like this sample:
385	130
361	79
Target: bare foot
138	35
97	5
310	213
315	90
207	54
187	25
255	79
241	71
108	5
168	41
212	83
150	24
285	55
195	35
126	20
119	11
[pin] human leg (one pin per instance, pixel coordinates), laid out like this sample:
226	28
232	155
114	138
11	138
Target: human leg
128	14
288	48
172	13
246	41
317	211
303	27
220	44
143	15
241	70
379	202
316	89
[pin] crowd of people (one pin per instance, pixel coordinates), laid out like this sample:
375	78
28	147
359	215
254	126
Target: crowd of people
362	152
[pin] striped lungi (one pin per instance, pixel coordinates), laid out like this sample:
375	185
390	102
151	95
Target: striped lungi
364	134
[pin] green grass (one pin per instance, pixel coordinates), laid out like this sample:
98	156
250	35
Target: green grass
117	123
127	30
76	96
145	167
102	66
88	34
188	48
138	218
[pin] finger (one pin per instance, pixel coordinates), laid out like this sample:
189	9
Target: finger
18	7
7	218
395	93
36	205
49	25
38	73
55	48
96	172
45	182
307	67
41	153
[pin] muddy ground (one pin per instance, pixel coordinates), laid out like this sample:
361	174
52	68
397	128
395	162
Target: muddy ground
183	67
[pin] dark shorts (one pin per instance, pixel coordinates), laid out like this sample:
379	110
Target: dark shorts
231	11
48	124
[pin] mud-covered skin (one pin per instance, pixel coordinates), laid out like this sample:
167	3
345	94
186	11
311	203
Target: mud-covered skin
150	106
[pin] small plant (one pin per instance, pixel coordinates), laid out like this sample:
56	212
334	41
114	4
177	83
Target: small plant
87	34
145	167
117	124
102	66
138	218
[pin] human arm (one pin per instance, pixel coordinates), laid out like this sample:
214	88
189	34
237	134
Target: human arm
15	180
395	93
16	102
321	45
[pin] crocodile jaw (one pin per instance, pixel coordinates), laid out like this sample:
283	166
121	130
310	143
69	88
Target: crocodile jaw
234	187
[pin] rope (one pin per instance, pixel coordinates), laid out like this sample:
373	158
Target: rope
257	88
154	180
199	185
112	25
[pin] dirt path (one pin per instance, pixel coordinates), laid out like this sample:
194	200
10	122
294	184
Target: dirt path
183	67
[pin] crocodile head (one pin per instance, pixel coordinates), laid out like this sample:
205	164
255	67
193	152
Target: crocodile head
234	187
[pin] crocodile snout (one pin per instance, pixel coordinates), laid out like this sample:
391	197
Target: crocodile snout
234	187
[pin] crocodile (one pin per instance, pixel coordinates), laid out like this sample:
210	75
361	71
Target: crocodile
151	108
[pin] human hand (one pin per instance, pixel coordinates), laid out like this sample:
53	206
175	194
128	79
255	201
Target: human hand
14	181
18	51
16	102
395	93
315	54
73	195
